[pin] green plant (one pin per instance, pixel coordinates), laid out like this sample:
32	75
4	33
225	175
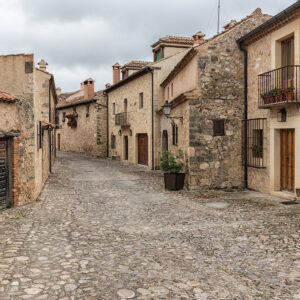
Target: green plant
170	162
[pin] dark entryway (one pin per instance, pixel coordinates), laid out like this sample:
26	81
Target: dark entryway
287	172
126	147
143	149
58	141
165	145
4	174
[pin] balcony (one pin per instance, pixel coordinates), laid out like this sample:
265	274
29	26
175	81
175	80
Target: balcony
279	87
121	119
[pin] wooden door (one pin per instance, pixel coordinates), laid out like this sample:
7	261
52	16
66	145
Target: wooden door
126	147
143	149
4	174
287	160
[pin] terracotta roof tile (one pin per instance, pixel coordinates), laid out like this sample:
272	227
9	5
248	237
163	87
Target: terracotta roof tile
136	64
170	39
4	96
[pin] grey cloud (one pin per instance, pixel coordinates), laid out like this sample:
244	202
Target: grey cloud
81	39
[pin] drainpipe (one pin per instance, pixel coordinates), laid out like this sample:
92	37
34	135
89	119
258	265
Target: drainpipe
153	149
245	114
50	154
107	130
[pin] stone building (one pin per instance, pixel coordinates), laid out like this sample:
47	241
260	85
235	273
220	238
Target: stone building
82	120
272	130
133	127
27	128
205	90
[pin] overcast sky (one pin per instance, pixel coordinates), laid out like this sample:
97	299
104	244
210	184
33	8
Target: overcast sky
81	39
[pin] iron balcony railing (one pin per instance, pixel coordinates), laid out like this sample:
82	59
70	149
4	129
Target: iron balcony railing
121	119
279	87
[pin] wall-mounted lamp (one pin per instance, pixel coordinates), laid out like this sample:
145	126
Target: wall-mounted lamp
281	115
130	132
167	107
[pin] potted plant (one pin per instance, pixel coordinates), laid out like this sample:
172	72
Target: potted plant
172	164
289	94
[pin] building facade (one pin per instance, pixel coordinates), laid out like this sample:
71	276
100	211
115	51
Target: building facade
82	120
134	127
27	128
206	93
272	132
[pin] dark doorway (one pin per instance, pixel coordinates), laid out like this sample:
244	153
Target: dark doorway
143	149
287	170
4	174
126	147
165	145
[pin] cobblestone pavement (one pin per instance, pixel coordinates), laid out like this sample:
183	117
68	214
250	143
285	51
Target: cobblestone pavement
105	230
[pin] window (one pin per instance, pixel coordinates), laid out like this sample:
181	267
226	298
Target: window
219	129
64	117
158	55
253	142
125	105
39	135
114	108
174	134
113	142
87	111
165	140
172	90
141	100
168	92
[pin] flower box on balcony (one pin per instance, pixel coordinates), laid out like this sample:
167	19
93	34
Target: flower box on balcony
289	94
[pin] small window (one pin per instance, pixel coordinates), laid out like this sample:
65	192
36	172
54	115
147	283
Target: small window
64	117
219	128
113	141
87	111
125	105
172	90
174	135
141	100
168	92
158	55
39	135
114	108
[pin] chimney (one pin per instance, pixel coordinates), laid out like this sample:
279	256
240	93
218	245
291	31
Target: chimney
198	38
58	91
43	65
89	89
116	73
230	24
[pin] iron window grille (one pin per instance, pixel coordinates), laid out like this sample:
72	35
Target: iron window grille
254	142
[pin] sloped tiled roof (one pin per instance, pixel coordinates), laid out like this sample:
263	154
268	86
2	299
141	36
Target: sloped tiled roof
171	39
4	96
136	64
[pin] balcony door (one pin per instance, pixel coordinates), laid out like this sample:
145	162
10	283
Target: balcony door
287	61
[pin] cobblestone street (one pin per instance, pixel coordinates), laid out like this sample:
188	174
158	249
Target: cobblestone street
105	230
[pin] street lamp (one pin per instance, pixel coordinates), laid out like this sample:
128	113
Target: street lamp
167	111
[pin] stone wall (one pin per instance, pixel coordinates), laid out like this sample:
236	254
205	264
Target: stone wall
217	160
90	135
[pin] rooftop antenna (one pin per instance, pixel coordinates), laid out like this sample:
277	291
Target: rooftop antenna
219	7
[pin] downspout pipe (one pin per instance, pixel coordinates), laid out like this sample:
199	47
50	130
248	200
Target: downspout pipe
49	132
107	129
245	127
152	112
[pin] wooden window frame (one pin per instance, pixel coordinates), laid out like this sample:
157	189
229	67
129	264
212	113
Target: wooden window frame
113	142
174	134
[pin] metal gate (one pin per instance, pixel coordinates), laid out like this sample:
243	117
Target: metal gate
4	174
